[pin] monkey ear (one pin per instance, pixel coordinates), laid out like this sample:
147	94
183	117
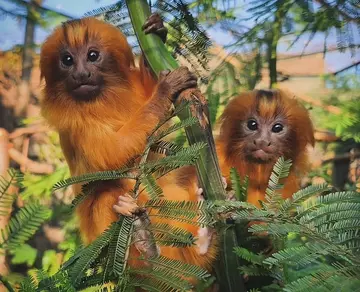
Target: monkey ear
308	127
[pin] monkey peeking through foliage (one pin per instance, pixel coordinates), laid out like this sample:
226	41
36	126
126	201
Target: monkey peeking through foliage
256	129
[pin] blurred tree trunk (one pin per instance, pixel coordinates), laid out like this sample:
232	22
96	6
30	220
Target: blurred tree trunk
27	60
4	165
273	38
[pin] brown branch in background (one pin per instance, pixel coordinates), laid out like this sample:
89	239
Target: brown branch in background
4	165
25	152
4	157
315	102
39	128
325	136
31	166
346	156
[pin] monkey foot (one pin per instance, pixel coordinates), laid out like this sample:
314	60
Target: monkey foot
127	206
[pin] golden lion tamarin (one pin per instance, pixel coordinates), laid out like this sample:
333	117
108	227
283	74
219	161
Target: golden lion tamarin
103	108
257	128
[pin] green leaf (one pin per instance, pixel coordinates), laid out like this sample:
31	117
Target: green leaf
24	254
239	186
153	189
90	177
23	225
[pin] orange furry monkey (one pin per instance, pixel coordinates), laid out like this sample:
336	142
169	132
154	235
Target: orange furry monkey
103	108
257	128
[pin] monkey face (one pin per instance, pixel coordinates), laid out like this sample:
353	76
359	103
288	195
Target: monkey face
80	69
83	58
264	140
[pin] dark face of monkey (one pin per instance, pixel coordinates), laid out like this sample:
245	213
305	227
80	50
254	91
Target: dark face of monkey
264	139
81	60
80	69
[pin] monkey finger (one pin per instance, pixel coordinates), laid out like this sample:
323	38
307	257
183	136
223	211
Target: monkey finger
152	19
223	179
199	194
122	210
164	73
126	198
190	84
152	28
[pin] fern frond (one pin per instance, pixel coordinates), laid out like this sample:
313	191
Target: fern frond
166	234
302	195
28	285
335	197
14	177
153	189
57	283
351	237
178	267
311	282
101	175
173	128
166	148
168	280
182	211
23	225
253	215
239	186
86	190
186	156
331	213
276	229
87	256
281	170
222	206
254	270
119	243
339	226
298	256
249	256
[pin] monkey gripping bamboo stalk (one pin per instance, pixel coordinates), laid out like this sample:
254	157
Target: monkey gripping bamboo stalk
207	165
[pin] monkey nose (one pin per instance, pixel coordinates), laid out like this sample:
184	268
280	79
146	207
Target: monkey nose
261	143
82	76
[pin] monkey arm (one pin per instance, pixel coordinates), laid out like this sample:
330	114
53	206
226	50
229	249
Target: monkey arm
132	137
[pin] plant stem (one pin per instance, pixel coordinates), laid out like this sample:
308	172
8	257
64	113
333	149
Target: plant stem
207	166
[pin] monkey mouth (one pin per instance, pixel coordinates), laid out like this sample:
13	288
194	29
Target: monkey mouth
261	155
86	91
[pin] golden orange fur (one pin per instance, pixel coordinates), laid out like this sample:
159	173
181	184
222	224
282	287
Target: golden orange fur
107	132
230	143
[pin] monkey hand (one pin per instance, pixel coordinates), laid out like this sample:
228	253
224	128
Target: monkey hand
127	206
171	84
154	24
143	239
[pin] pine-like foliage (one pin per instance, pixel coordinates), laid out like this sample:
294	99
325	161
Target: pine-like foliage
186	39
316	233
105	260
14	178
25	222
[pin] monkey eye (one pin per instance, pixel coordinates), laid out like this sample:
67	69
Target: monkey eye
67	60
252	125
93	55
277	128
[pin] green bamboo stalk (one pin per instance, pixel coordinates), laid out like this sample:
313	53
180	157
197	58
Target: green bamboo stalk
207	166
159	59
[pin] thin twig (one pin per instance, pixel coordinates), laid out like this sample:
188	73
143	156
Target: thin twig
32	166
